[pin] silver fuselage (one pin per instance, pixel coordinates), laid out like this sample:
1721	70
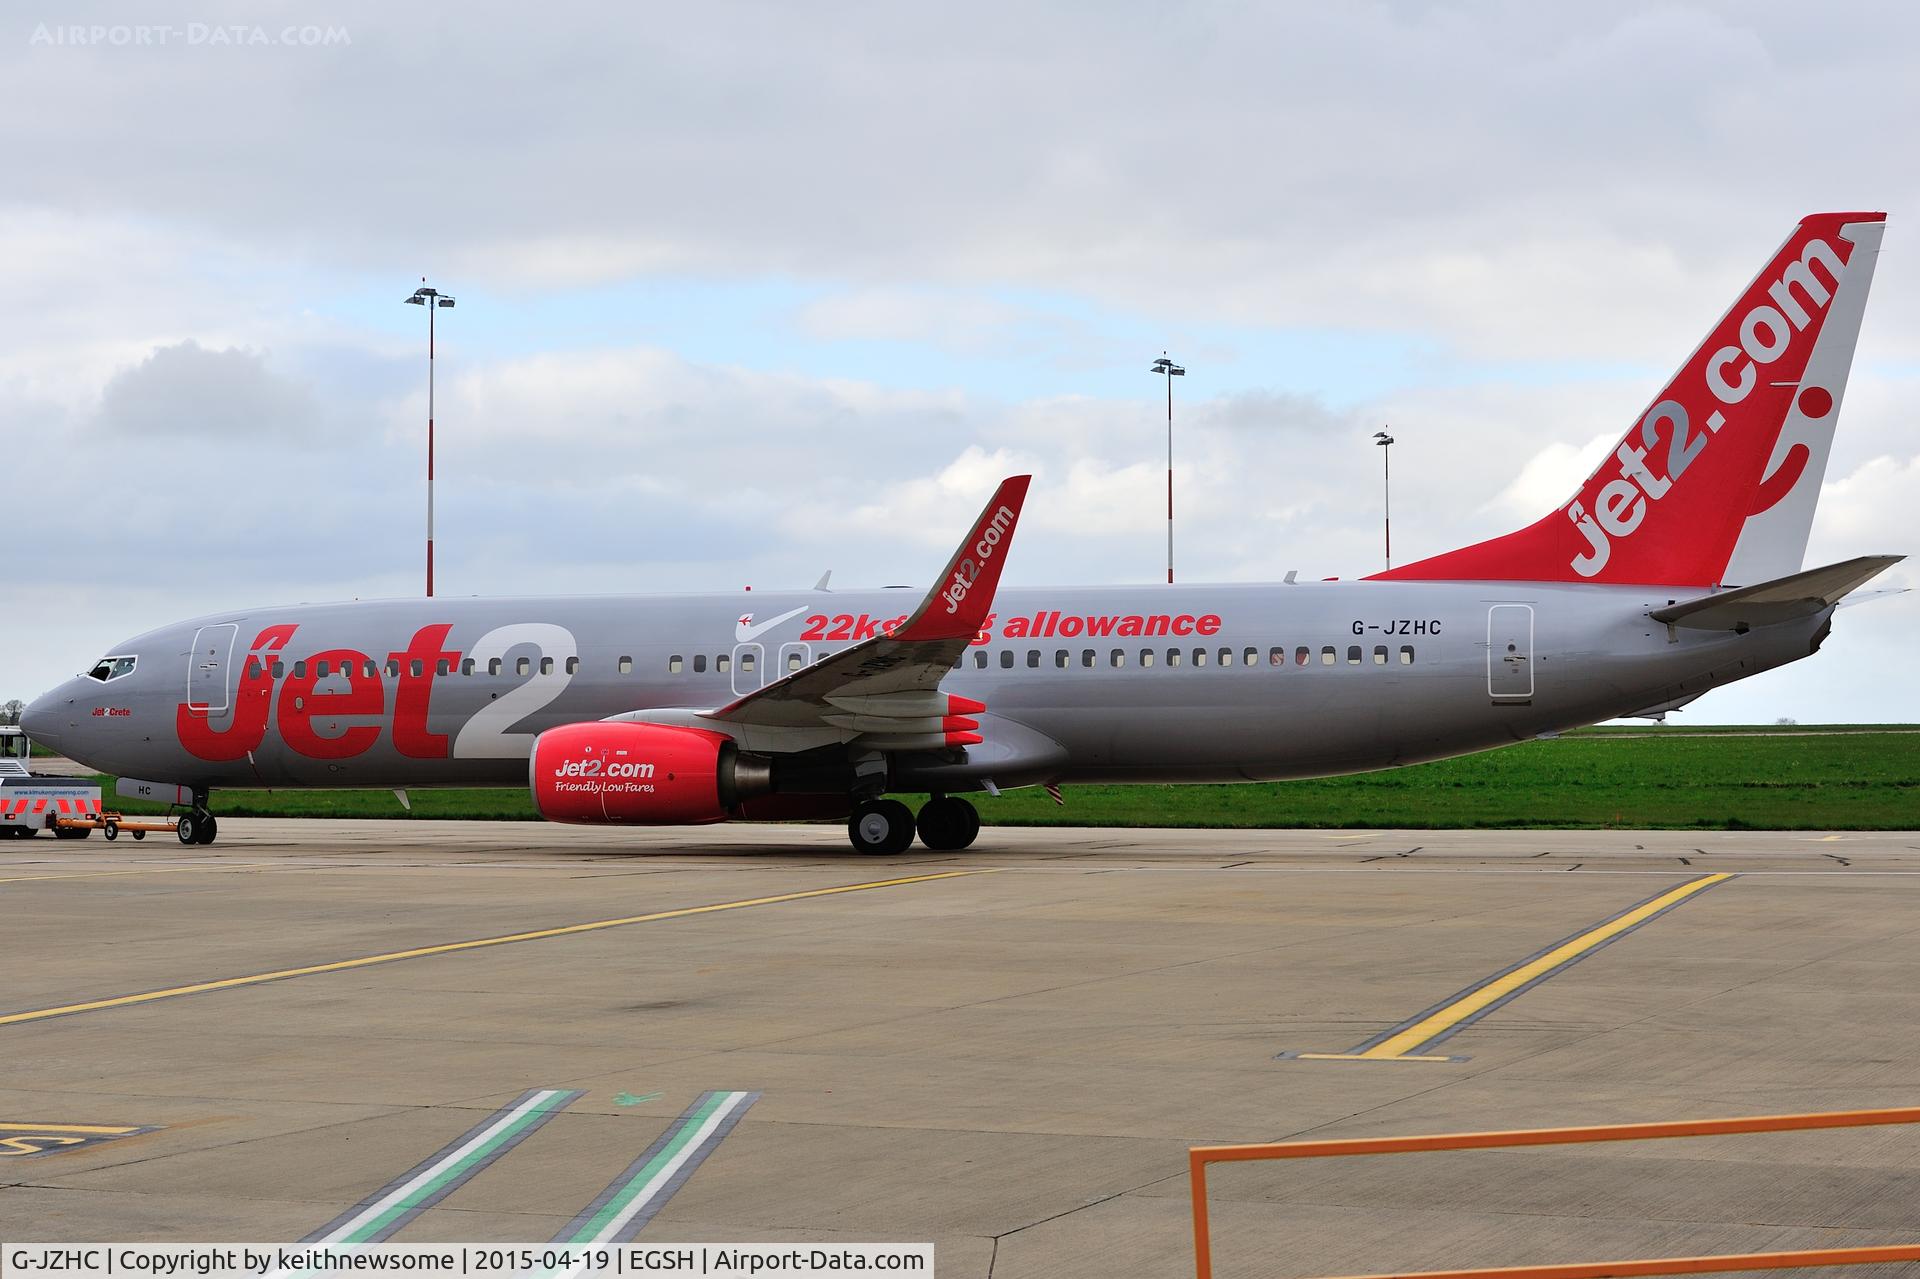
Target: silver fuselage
1121	684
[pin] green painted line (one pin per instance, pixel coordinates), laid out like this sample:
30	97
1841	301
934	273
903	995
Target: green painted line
628	1099
630	1201
635	1182
383	1213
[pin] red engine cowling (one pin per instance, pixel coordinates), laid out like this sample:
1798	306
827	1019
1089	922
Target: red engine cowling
633	774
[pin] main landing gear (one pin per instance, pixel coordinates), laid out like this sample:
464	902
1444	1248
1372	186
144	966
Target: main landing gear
946	824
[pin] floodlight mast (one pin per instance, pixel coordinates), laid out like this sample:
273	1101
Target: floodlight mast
1170	371
433	300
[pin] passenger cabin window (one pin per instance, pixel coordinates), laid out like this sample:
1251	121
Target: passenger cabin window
419	668
1199	657
1086	657
1033	659
373	670
1379	654
1173	657
393	669
674	663
466	666
300	669
1302	655
1060	658
573	665
1276	657
980	661
524	666
746	663
546	666
1006	659
793	661
1118	657
723	663
252	668
493	665
1353	655
323	669
1406	655
1226	657
699	663
1252	657
441	667
280	668
1146	657
1328	655
626	666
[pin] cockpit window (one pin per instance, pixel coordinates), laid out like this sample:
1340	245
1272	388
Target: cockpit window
112	668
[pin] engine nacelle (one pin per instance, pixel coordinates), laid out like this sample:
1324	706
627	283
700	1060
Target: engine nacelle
598	773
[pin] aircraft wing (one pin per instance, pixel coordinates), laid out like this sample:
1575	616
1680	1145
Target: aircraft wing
887	688
1781	600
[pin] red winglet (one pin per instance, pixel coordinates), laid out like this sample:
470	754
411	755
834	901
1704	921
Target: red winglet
963	595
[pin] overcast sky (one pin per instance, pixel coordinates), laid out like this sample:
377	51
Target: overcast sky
747	292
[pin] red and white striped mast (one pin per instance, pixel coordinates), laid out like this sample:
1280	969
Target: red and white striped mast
433	300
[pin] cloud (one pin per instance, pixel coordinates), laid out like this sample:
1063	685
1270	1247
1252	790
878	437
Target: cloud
186	390
770	291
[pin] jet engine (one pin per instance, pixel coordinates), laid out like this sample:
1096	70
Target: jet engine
643	775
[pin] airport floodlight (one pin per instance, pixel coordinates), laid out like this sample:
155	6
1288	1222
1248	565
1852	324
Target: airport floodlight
432	299
1168	369
1385	442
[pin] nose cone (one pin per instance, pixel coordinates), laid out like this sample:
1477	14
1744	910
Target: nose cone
40	720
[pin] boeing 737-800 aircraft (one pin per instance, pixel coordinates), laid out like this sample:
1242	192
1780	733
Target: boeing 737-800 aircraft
1676	568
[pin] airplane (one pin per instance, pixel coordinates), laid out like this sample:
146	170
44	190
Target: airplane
1677	567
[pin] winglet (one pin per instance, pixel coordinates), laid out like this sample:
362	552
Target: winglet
963	595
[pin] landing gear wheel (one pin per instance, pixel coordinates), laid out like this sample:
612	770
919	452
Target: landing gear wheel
112	831
948	824
208	829
881	826
187	828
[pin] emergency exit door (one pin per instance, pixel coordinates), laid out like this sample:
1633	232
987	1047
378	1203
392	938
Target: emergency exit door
1510	651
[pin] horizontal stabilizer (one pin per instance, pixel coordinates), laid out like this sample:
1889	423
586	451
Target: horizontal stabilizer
1784	599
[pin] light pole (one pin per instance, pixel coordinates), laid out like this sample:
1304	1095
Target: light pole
1171	371
1385	442
433	300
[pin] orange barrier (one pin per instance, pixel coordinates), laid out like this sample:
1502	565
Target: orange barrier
1198	1157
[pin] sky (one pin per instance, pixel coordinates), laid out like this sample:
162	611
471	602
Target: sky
747	292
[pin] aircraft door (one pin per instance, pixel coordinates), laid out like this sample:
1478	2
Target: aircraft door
210	670
1510	651
747	661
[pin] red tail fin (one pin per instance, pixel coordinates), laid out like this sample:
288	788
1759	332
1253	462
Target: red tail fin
1730	455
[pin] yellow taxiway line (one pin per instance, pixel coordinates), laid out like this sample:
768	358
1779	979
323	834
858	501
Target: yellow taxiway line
1417	1038
449	948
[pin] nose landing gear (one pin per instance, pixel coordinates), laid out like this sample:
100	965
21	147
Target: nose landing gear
197	825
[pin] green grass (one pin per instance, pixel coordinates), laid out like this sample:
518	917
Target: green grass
1867	780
